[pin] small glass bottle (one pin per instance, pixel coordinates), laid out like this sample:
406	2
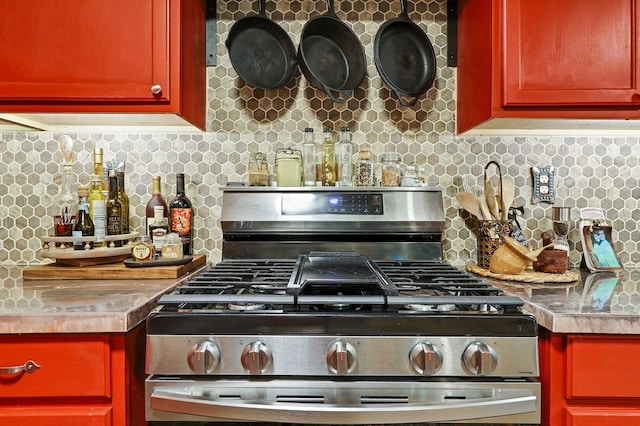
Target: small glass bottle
181	215
258	170
84	225
364	172
98	210
158	229
391	169
345	155
309	158
143	250
114	211
288	167
328	158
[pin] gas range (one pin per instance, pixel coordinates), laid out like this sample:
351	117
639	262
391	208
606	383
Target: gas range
338	336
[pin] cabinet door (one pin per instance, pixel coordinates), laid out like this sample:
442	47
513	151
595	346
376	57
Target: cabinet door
89	50
570	53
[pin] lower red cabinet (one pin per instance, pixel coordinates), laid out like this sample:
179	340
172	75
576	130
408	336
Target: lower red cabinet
83	379
590	379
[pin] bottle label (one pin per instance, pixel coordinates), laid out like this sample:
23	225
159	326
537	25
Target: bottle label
77	245
99	217
181	221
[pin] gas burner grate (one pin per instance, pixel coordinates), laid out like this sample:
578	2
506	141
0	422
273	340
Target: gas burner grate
261	285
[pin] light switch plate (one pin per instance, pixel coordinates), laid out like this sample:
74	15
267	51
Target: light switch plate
543	184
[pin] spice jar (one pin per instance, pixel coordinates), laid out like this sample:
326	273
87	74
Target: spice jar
172	247
258	170
364	171
391	169
410	176
288	167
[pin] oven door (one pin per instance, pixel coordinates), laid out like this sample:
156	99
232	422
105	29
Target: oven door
343	402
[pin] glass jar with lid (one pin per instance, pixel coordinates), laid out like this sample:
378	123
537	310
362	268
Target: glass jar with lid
258	170
288	167
410	176
391	169
364	168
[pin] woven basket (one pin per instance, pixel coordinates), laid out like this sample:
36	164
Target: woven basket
490	236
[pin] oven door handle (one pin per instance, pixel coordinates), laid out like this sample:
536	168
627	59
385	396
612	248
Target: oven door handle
504	403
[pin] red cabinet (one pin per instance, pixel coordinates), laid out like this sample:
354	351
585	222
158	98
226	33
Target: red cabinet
544	59
84	379
590	379
140	56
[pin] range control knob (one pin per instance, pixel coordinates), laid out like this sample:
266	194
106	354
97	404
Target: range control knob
425	358
479	359
204	357
341	358
256	358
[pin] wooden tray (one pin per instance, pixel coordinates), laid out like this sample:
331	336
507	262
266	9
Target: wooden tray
112	271
528	276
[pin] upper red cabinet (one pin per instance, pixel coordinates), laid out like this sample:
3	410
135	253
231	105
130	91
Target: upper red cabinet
575	52
547	59
96	56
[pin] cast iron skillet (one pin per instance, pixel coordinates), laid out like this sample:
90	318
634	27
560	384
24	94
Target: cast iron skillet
331	57
261	51
404	58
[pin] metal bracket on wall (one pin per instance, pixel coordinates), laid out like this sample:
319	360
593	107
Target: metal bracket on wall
211	38
452	33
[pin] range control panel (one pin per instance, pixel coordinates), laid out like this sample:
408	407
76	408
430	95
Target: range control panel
333	203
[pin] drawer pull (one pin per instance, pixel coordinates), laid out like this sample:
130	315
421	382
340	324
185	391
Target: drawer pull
27	367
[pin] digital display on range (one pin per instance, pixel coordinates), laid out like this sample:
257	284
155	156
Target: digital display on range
328	203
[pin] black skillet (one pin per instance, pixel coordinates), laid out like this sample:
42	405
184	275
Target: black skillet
404	58
261	51
331	56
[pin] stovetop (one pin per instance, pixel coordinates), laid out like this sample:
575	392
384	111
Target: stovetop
273	286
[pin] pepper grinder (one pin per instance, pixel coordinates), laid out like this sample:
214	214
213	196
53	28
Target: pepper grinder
560	217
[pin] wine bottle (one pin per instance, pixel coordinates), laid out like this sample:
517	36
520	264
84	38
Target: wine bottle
98	168
181	216
114	211
124	202
98	210
158	229
156	200
84	225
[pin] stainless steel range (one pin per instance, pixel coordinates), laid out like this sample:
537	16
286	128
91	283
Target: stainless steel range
333	306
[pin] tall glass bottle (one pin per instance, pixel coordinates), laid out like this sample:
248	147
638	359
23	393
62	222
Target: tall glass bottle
158	229
124	202
309	158
156	200
98	168
84	225
345	155
98	210
114	211
65	204
328	158
181	216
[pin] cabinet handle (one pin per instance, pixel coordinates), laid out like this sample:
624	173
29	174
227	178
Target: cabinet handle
27	367
156	89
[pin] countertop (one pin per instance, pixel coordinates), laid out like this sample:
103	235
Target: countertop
600	302
76	306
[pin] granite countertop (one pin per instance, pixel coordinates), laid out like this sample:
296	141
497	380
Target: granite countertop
601	302
75	306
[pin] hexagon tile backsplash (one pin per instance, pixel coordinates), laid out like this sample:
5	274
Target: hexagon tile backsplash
590	171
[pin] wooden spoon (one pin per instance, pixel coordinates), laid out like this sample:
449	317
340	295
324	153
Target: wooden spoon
490	195
470	203
508	194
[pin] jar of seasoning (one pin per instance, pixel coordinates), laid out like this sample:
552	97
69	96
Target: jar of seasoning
364	170
391	169
288	167
258	170
172	247
142	249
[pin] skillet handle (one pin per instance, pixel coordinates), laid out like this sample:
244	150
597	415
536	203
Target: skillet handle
406	103
262	8
340	100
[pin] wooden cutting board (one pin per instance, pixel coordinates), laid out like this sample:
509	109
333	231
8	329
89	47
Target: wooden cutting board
110	271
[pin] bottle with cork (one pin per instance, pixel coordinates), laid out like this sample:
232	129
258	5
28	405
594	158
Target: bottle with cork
156	200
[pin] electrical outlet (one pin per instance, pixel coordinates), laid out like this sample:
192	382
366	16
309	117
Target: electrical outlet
543	184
